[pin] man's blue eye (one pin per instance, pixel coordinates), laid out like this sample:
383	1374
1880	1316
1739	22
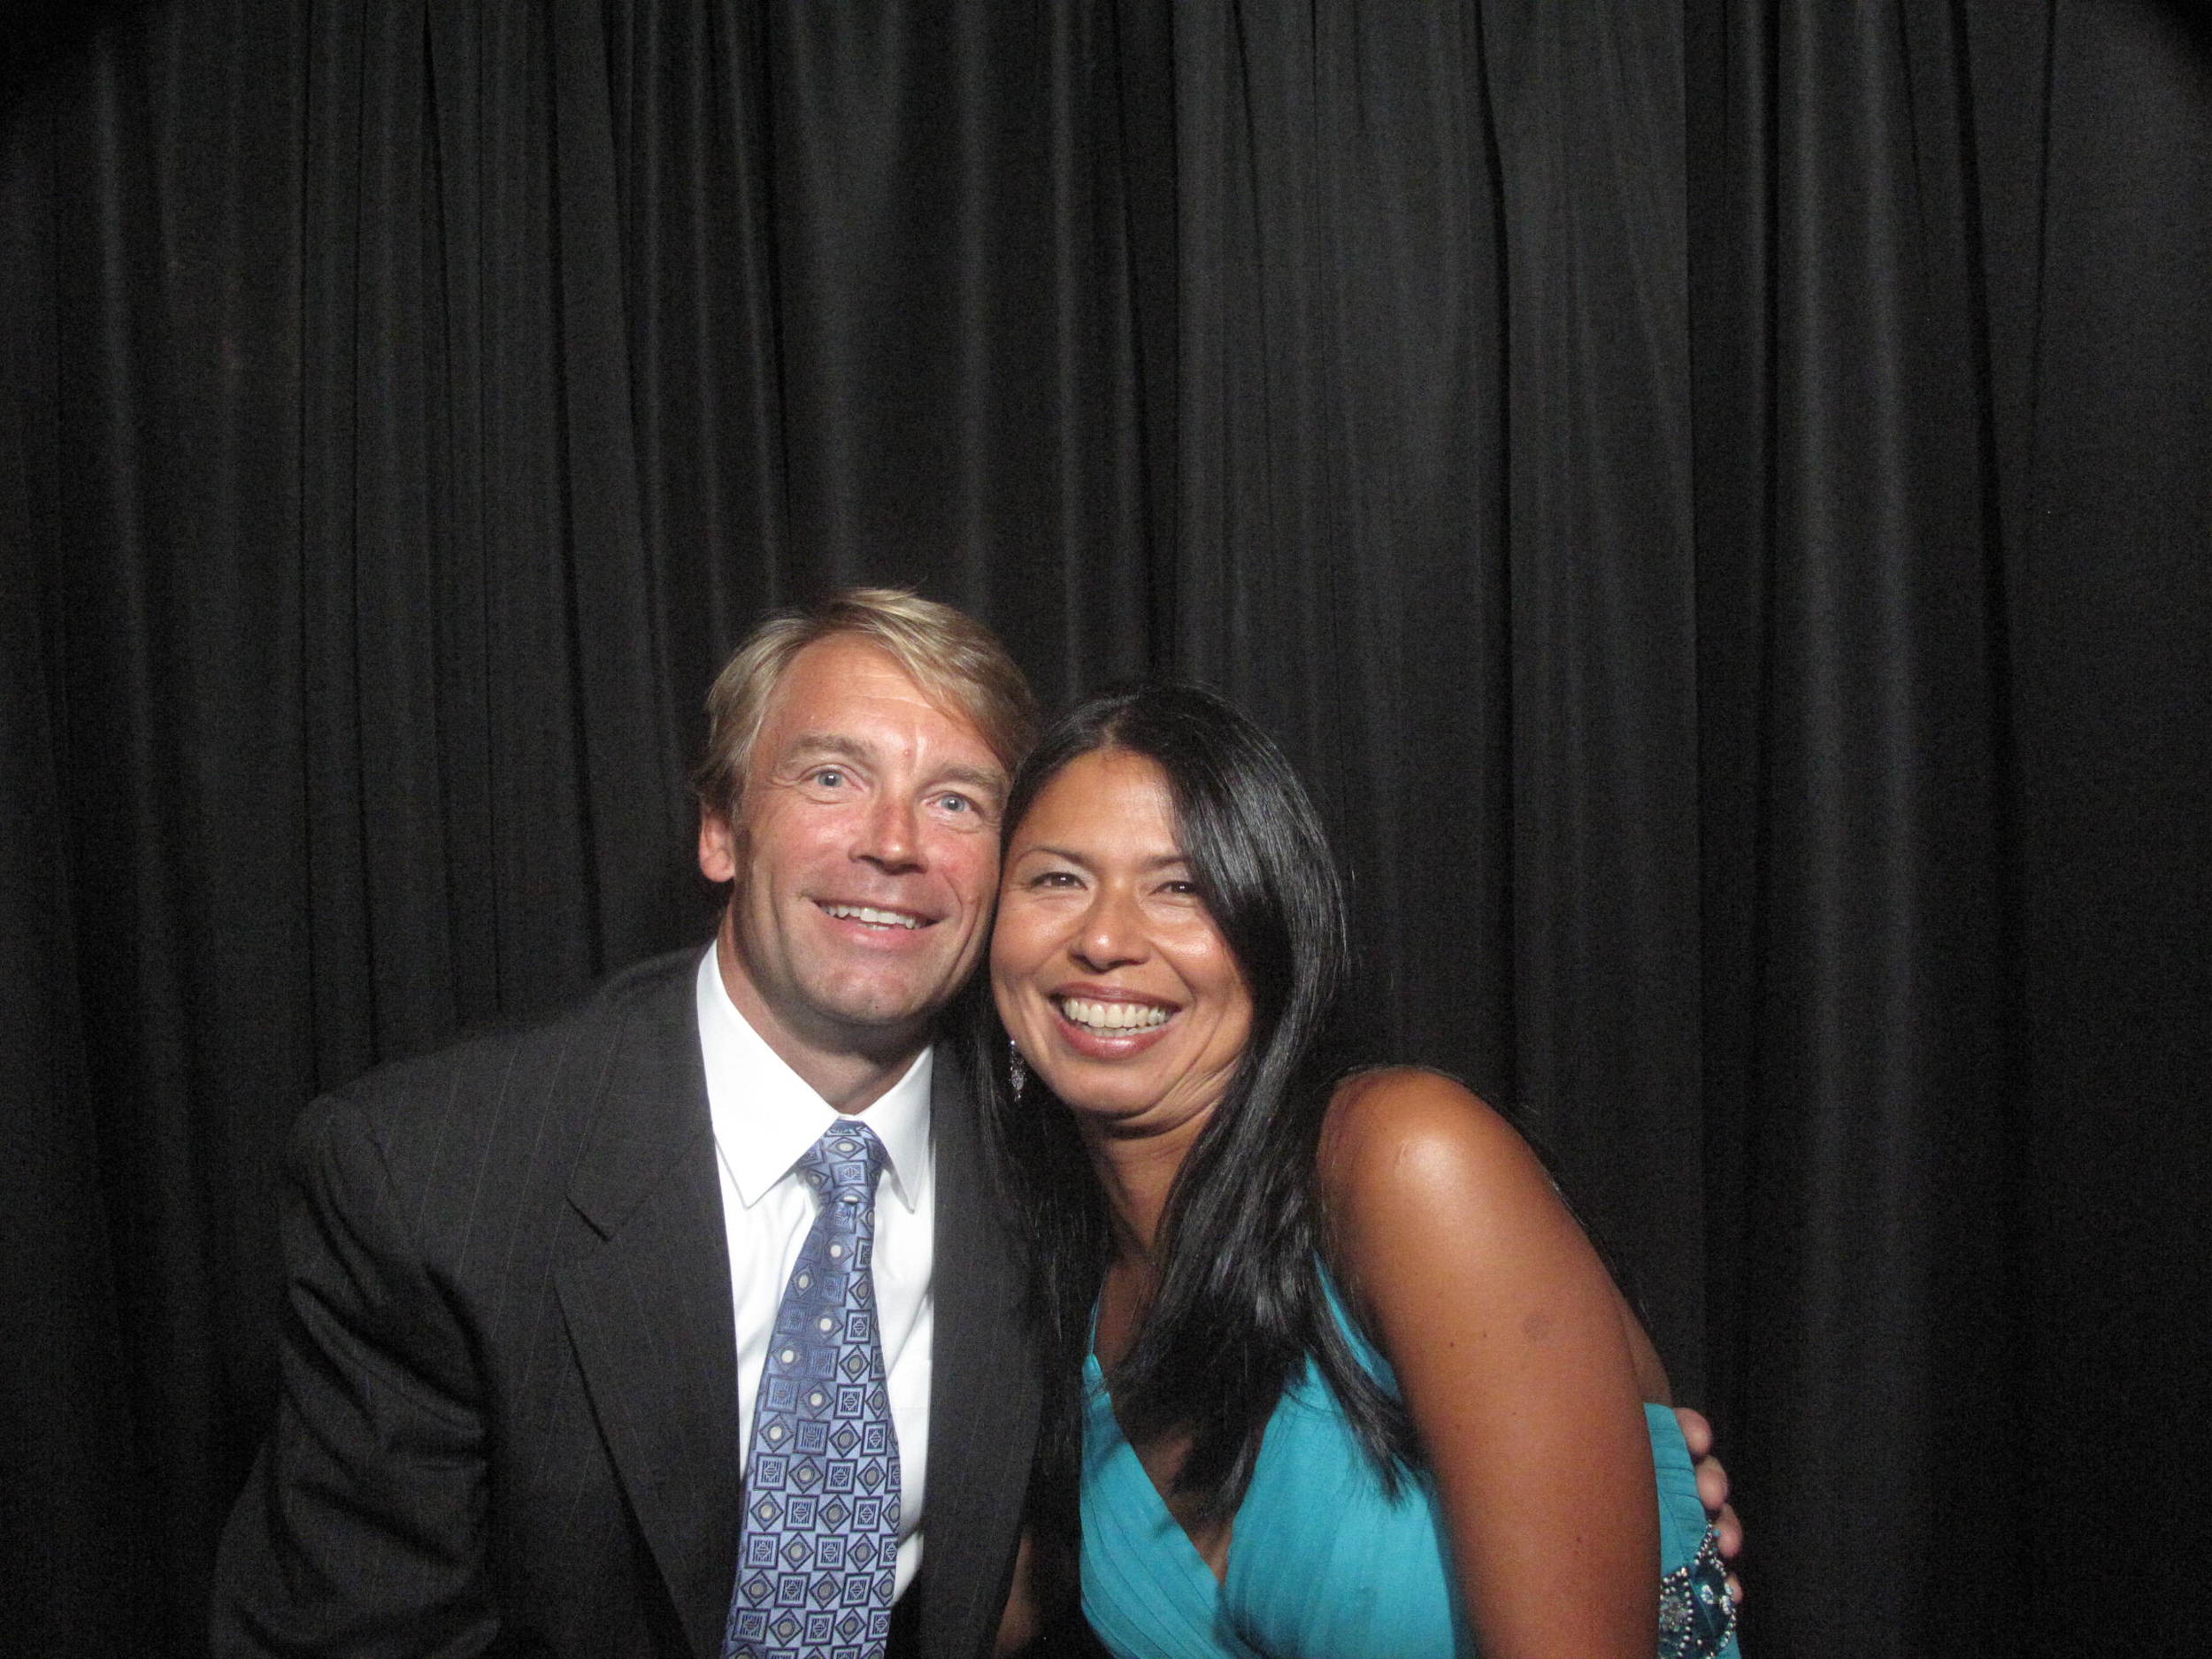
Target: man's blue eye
829	777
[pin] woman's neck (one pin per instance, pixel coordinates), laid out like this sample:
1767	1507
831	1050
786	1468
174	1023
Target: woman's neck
1138	1174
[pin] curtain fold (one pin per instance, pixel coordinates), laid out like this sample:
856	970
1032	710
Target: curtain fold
1713	500
76	1522
2112	717
1856	818
1435	337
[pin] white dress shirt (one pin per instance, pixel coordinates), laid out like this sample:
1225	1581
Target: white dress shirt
765	1119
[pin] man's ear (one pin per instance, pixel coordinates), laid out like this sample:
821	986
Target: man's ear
717	846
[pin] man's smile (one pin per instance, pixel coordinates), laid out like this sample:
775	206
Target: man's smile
875	915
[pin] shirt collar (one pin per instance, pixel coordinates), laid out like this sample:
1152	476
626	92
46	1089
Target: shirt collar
766	1115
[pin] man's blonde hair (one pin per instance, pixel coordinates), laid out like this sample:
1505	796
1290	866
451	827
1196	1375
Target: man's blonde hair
953	659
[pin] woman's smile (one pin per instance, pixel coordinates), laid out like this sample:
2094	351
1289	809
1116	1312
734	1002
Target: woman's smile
1103	1025
1109	971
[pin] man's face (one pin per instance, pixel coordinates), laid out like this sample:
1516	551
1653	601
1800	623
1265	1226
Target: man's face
865	858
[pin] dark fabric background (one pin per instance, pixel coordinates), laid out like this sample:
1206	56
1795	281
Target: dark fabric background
1717	500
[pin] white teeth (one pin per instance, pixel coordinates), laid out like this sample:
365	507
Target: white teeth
1113	1016
874	917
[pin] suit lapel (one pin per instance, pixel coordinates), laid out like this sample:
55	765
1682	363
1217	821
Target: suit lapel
982	1391
647	1299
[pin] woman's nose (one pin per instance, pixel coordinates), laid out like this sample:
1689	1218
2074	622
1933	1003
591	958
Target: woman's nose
1112	933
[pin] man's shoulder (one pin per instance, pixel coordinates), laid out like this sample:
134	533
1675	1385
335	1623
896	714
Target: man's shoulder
539	1074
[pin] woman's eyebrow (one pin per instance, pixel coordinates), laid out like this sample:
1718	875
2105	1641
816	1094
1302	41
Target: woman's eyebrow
1157	861
1041	849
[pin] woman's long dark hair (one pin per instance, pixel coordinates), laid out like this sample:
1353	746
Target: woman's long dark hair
1240	1305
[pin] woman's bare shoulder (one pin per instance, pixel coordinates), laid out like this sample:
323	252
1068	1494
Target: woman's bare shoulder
1404	1124
1420	1179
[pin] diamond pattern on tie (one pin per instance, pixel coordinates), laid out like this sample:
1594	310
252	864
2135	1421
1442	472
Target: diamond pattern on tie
818	1551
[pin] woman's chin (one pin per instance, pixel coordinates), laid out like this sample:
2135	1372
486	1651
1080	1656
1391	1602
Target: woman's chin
1129	1114
1084	1096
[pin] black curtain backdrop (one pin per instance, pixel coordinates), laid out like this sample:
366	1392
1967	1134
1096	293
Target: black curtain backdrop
1718	499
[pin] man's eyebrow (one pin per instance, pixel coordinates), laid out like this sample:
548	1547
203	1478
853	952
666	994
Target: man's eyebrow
815	745
976	778
809	743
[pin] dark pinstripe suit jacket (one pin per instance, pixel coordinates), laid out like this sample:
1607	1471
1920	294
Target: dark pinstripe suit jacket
508	1419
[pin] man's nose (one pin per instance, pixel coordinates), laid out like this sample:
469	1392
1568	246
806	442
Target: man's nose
890	834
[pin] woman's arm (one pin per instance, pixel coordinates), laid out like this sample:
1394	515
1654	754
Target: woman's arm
1505	1333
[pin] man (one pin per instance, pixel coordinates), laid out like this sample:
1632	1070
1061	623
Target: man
533	1278
554	1294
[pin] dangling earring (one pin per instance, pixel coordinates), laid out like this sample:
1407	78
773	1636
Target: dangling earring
1016	1068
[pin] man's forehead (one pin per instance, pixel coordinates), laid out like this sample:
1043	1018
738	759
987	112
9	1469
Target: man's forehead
845	696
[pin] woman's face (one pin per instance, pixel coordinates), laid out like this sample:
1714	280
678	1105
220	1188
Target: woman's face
1108	970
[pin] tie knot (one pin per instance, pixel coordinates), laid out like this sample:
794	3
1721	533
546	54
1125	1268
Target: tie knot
844	1164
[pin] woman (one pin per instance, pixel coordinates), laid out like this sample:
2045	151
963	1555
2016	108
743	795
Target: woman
1355	1382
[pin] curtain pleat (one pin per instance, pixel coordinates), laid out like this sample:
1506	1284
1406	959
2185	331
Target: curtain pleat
75	1520
2111	580
1873	1087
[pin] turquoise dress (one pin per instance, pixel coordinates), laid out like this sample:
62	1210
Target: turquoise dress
1323	1565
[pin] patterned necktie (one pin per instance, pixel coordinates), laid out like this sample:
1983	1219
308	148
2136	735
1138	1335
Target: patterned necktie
819	1546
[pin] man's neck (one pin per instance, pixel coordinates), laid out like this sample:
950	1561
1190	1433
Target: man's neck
847	1079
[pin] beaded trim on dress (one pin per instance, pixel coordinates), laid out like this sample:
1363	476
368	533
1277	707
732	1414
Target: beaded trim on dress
1696	1618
